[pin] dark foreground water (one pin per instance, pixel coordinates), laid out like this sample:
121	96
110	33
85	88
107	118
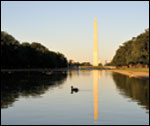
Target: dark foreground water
103	98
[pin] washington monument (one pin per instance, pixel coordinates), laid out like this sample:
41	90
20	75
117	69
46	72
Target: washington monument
95	50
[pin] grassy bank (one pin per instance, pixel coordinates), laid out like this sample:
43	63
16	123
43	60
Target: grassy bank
135	69
134	72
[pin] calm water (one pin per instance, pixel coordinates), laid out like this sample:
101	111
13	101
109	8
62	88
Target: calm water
103	98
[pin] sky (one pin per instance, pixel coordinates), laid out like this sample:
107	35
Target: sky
68	27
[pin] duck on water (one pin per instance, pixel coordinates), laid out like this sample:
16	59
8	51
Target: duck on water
74	90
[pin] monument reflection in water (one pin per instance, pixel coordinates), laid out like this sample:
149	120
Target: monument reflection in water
95	93
103	98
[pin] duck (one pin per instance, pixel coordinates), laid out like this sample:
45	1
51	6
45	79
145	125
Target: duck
74	89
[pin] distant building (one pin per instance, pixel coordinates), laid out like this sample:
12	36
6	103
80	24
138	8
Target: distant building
71	61
108	61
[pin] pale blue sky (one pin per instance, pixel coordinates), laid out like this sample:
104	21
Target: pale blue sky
67	27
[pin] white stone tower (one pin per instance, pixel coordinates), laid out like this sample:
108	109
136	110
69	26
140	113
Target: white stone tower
95	49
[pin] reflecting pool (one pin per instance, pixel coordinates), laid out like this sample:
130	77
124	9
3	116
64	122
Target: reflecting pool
103	98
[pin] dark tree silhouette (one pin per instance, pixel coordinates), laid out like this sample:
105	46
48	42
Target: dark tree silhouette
135	51
25	55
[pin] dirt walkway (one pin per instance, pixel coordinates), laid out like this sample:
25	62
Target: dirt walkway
133	74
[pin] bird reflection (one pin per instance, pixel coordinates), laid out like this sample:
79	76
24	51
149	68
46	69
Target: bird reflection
74	90
95	93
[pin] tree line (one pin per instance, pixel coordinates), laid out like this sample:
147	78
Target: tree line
25	55
133	52
72	63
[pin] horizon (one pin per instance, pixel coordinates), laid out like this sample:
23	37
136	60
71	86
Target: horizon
68	27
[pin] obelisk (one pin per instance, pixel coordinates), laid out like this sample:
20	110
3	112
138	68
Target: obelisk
95	50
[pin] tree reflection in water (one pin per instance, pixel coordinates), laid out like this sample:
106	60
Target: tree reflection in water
27	84
136	89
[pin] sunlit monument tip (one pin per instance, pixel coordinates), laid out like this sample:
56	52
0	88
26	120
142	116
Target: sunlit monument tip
95	49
